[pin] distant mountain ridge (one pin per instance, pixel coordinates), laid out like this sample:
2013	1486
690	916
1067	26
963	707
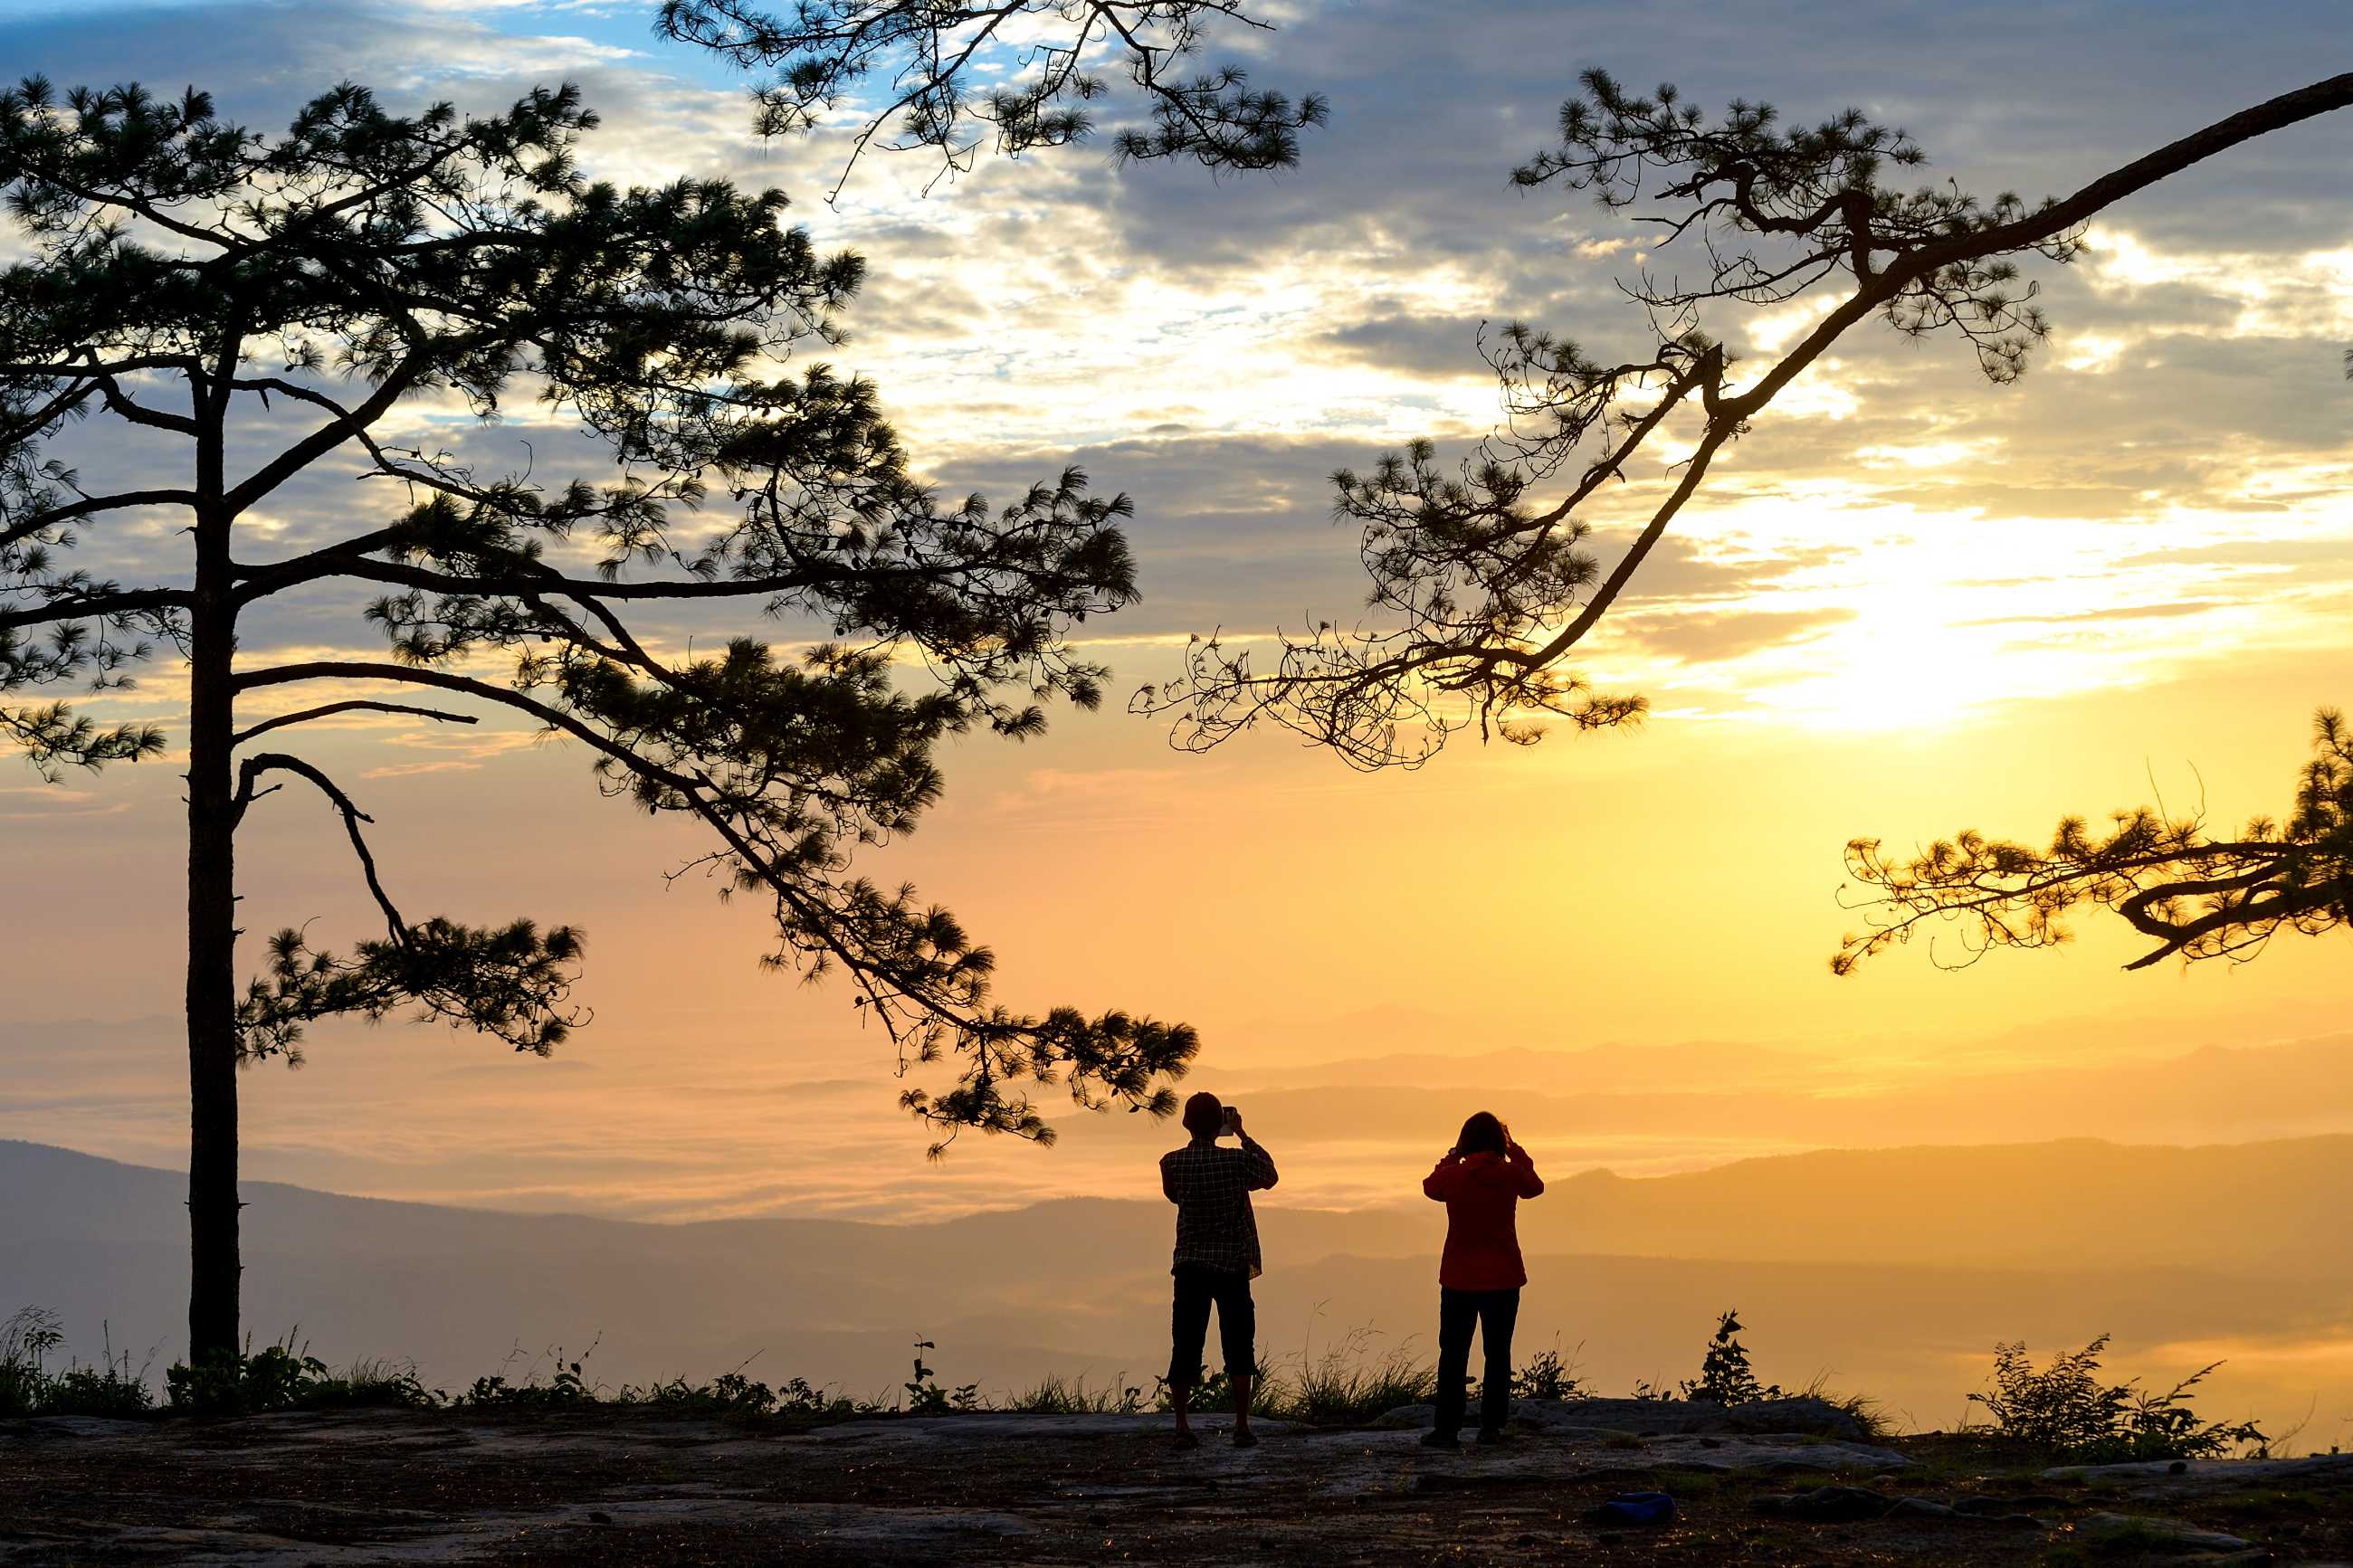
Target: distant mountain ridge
1894	1269
2069	1202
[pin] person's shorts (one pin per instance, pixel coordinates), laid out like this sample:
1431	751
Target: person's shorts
1198	1288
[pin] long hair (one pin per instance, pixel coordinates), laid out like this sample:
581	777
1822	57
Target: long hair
1482	1134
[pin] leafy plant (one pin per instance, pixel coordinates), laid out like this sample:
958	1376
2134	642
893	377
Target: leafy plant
2066	1409
567	1387
926	1397
242	1382
1724	1375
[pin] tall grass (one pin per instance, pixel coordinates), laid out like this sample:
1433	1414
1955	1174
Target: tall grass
28	1387
1056	1396
1345	1384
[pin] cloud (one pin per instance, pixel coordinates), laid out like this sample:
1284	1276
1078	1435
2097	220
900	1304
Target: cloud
1708	638
1216	348
1426	345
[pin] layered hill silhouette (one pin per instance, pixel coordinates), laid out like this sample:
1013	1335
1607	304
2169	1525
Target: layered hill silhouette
1894	1270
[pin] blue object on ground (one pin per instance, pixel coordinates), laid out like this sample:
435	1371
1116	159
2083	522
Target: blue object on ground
1635	1508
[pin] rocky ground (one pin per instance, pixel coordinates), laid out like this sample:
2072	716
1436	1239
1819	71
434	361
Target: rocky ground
1788	1482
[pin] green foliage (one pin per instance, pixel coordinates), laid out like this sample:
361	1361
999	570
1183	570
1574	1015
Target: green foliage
27	1386
2065	1410
1725	1376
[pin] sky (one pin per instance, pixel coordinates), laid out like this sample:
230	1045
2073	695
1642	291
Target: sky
1906	602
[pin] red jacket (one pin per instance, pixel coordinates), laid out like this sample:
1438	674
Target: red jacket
1481	1192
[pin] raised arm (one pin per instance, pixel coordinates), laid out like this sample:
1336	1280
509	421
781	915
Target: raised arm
1262	1164
1524	1180
1168	1183
1438	1185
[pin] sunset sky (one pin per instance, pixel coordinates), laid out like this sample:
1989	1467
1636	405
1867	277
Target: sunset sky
1907	602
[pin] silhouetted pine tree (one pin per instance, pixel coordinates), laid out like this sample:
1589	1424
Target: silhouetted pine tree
1483	585
1036	62
2194	894
252	307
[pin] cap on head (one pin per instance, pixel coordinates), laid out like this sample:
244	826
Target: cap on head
1204	1115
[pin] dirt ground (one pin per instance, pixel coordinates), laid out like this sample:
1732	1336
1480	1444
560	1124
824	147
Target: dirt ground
606	1486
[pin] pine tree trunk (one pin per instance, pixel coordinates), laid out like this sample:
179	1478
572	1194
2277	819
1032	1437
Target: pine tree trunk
213	1263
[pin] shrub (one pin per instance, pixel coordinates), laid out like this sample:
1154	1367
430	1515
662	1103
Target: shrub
246	1383
1725	1376
1547	1377
2065	1410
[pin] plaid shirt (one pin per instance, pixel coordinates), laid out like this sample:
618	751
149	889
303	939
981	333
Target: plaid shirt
1211	1187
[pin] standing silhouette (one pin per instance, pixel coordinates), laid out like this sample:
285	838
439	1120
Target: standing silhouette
1481	1181
1217	1256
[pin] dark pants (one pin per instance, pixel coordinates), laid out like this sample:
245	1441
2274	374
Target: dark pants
1196	1289
1493	1312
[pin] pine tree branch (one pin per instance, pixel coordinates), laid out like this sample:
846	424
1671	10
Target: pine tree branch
129	602
254	767
354	706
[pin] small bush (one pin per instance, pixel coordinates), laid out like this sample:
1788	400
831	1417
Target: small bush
2066	1411
1547	1377
1724	1375
247	1383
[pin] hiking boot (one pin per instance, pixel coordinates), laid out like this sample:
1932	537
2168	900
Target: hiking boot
1440	1440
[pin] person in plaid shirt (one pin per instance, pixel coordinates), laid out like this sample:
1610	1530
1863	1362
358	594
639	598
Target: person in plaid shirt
1217	1256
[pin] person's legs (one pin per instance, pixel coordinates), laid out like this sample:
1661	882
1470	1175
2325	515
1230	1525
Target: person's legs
1499	1311
1457	1312
1238	1335
1188	1325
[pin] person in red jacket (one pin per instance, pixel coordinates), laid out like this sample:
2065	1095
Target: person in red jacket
1481	1181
